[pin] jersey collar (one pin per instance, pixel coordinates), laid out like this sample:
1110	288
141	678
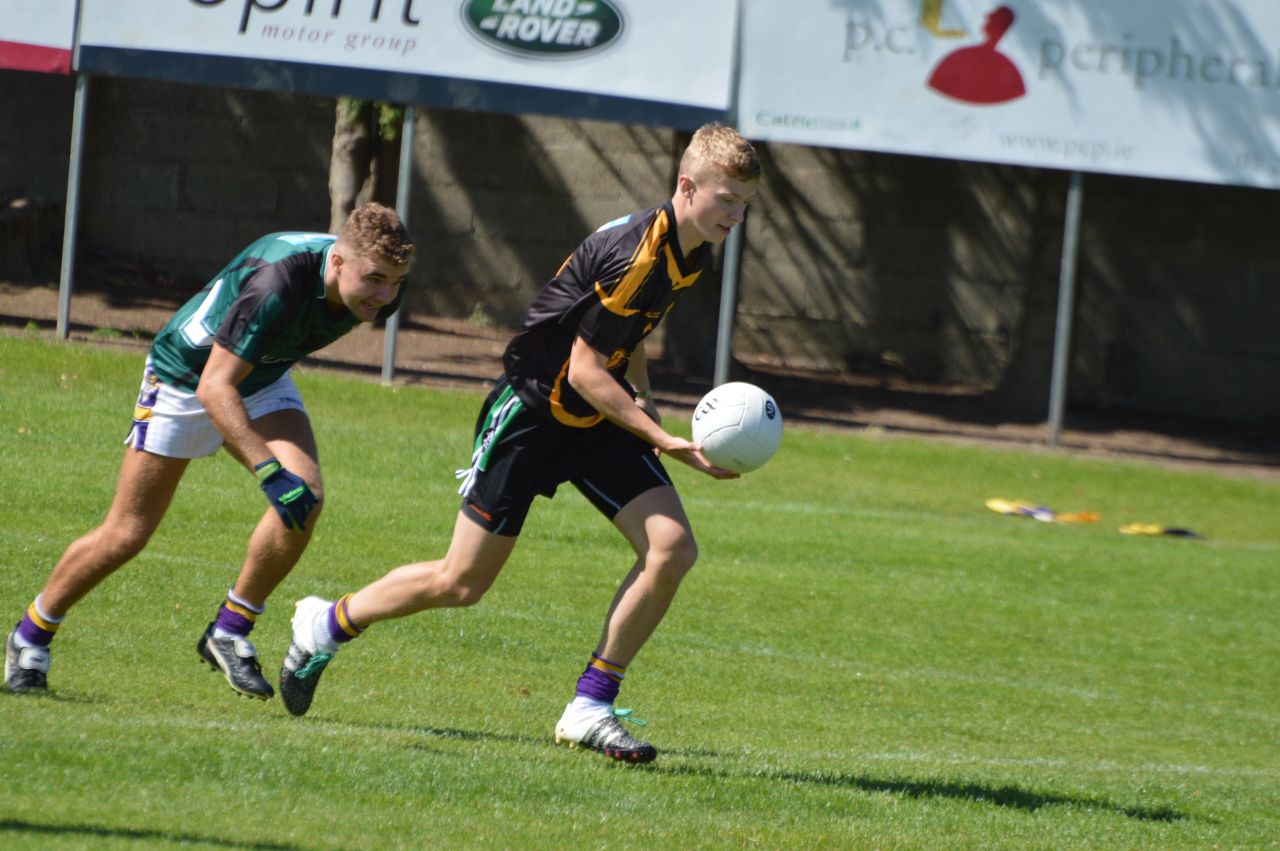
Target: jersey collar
691	263
324	269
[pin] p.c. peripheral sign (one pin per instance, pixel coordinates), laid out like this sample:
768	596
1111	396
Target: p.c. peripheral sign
1145	87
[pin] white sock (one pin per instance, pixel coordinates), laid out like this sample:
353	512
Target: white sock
589	707
240	601
45	616
321	635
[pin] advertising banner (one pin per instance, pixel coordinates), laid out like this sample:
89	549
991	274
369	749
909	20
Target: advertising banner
648	61
1187	90
37	35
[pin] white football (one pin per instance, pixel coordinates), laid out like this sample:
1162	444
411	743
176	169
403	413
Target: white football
739	426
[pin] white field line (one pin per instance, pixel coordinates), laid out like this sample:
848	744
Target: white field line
202	564
860	512
1103	767
859	670
852	667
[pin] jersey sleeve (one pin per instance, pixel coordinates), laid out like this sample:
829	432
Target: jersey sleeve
263	301
617	276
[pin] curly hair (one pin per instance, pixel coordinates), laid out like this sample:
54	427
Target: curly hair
718	146
374	230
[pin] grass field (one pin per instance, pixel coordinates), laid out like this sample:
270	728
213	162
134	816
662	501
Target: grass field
865	657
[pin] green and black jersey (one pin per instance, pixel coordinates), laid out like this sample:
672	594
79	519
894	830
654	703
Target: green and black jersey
267	306
612	291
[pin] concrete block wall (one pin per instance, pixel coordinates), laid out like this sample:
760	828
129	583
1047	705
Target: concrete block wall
914	266
1179	300
35	133
501	201
185	176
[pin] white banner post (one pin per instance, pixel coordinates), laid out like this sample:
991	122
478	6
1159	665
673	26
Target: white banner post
41	37
1066	308
71	222
733	244
404	180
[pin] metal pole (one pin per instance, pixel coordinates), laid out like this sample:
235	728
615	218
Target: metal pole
728	305
403	181
1066	308
733	245
73	205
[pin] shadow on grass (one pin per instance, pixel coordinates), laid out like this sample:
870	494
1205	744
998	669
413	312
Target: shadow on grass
53	696
1008	796
133	336
452	733
12	826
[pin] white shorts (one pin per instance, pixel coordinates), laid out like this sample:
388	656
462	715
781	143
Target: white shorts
172	422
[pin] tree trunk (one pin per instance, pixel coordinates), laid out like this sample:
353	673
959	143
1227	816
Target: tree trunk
350	158
364	162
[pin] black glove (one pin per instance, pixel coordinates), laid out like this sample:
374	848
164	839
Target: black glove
287	493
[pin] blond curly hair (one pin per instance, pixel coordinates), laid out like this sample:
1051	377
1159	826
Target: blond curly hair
374	230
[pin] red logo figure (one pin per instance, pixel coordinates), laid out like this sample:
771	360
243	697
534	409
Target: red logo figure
981	74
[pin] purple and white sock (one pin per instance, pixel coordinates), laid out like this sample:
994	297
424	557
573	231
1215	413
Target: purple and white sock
236	617
601	680
341	627
37	628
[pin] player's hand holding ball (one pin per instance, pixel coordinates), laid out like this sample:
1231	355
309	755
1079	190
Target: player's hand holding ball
690	453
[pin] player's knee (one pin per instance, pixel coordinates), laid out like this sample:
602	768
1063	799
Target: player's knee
676	557
451	595
467	594
122	541
441	590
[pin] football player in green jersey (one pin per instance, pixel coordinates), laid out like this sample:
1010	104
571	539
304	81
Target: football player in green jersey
574	407
218	375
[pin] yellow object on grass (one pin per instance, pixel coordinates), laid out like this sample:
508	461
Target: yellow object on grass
1156	529
1040	512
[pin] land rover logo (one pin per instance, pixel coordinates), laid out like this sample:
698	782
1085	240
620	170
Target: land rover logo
544	28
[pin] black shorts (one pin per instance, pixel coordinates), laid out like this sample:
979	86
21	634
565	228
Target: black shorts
520	454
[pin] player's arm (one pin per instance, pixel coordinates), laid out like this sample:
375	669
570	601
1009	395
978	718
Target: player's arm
590	377
221	400
638	377
287	493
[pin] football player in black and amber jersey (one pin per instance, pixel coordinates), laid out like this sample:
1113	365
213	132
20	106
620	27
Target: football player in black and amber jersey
574	406
218	374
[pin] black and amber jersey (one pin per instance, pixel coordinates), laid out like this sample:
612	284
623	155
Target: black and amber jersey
612	292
